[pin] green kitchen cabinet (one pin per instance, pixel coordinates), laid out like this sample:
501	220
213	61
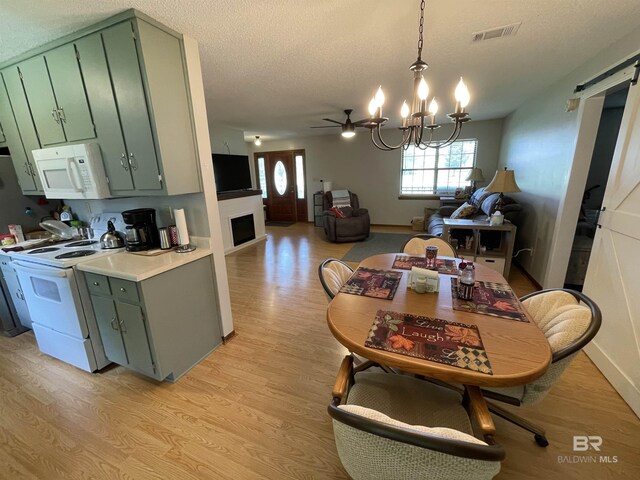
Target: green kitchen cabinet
18	141
152	328
57	100
123	84
3	137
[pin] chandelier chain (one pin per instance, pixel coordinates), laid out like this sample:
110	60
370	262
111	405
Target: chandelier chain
421	29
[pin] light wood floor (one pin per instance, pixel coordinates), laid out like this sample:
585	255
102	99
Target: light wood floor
256	408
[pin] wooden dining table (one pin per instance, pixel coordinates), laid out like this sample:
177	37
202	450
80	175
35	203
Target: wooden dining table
518	351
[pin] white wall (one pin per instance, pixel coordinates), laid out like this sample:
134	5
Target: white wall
538	142
374	175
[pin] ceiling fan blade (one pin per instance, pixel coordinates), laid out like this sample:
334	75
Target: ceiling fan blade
328	126
330	120
361	122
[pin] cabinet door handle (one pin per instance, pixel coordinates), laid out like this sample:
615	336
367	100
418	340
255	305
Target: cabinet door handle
56	115
114	324
96	284
133	162
123	162
26	169
123	290
30	168
61	115
123	328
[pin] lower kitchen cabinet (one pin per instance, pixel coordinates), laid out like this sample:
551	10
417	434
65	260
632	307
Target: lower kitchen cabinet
11	285
153	327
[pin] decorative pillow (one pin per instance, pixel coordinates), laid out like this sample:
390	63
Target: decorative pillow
339	213
464	211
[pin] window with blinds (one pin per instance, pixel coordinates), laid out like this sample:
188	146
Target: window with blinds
437	171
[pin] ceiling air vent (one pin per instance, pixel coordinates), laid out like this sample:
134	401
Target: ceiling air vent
498	32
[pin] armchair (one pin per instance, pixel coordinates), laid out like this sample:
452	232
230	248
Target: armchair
353	227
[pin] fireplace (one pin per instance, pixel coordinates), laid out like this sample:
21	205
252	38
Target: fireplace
242	229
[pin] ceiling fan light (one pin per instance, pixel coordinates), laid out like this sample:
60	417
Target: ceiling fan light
348	134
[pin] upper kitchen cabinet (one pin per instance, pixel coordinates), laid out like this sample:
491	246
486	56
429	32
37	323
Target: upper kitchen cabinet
20	141
3	137
123	84
55	92
137	88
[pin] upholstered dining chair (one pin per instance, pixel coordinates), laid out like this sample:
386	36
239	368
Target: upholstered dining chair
333	274
399	427
569	320
417	244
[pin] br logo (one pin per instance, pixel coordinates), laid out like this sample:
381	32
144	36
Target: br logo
582	443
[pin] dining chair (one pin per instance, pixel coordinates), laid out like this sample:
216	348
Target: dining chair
417	244
399	427
333	274
569	320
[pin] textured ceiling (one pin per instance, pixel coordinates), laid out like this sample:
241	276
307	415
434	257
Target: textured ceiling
275	67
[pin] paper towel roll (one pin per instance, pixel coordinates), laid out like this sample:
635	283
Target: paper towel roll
181	225
326	186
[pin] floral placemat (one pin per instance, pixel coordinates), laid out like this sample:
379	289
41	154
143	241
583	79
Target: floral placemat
433	339
373	283
490	298
404	262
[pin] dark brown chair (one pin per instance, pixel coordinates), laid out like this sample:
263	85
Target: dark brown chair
397	427
355	226
568	325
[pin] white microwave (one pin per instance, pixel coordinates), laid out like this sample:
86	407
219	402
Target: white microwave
72	171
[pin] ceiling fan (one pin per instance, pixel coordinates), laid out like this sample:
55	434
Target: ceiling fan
348	127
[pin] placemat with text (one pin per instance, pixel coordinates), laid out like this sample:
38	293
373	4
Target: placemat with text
404	262
490	298
433	339
373	283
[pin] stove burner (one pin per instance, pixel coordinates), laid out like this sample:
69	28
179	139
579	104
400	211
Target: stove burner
43	250
76	254
82	243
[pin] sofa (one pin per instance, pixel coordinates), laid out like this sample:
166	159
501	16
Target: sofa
353	227
483	201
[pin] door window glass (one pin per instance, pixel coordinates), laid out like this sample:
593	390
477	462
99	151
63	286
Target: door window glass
300	176
262	177
280	177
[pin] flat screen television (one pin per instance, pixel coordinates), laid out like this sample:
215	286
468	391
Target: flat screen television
231	172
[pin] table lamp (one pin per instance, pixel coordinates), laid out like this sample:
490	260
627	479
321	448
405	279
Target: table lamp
475	175
504	181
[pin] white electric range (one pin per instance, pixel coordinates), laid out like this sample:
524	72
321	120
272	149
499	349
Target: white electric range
58	299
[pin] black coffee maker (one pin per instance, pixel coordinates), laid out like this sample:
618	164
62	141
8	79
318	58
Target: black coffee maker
141	232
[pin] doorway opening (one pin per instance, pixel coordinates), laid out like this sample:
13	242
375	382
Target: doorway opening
593	196
281	176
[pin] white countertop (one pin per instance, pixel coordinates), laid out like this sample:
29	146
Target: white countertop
136	268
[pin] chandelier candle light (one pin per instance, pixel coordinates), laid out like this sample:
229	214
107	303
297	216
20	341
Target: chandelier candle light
414	119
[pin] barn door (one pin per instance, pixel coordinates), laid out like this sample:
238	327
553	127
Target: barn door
613	275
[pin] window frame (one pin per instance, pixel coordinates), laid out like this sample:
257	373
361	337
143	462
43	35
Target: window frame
418	196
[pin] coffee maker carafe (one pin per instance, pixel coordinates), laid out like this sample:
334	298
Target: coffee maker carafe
141	232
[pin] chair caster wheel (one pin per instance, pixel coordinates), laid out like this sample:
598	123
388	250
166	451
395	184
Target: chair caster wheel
541	440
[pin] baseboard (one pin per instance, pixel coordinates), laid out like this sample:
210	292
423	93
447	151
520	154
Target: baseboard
614	376
228	337
526	274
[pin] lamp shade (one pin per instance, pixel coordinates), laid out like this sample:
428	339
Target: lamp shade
504	181
475	175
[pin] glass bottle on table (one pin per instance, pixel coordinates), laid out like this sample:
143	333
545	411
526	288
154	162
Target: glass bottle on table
467	282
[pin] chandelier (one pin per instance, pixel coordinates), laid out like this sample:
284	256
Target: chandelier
419	117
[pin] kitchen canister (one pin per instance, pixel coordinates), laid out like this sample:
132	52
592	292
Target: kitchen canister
173	235
165	239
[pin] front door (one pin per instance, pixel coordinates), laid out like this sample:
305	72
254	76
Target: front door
614	266
279	170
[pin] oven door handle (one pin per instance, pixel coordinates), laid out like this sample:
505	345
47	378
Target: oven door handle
43	272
